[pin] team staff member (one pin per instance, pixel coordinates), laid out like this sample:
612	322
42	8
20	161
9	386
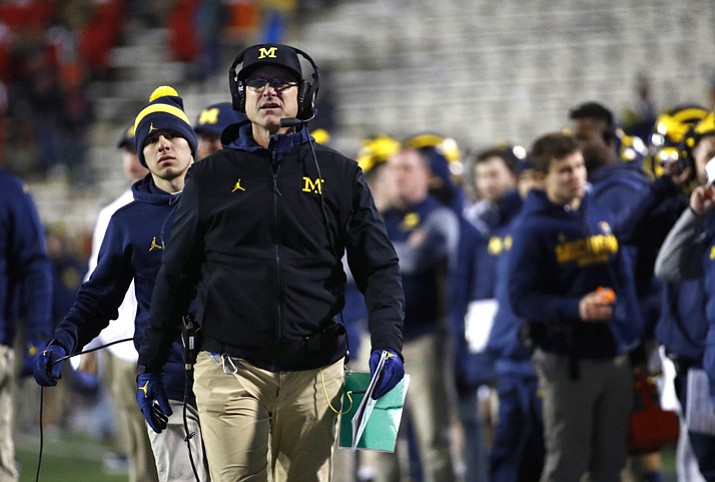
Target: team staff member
25	284
563	250
121	359
209	126
686	256
517	451
260	231
132	250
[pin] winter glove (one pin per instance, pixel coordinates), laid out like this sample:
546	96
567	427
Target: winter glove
47	367
31	350
392	372
152	400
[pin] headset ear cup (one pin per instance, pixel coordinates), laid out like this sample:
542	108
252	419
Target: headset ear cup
238	94
305	103
235	86
240	99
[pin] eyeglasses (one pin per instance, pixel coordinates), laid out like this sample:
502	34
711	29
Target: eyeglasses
258	84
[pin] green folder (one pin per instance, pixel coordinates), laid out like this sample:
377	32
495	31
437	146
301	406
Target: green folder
381	431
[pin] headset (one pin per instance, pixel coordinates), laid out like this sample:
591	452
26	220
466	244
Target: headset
598	112
307	91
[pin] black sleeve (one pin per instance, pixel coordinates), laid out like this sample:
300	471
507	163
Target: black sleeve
374	265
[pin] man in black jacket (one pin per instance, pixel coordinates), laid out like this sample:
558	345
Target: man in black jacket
259	235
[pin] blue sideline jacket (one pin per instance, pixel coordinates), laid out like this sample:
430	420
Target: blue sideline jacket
424	268
132	249
25	270
482	246
558	256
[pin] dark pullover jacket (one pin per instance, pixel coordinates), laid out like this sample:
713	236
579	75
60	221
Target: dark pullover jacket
260	233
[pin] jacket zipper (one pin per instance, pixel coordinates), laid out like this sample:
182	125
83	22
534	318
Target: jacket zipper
275	167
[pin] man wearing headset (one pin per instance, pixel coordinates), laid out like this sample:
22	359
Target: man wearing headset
259	234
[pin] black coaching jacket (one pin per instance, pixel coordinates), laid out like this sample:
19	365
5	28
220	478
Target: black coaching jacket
259	235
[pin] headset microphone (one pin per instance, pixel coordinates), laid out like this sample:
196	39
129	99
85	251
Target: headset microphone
295	122
291	122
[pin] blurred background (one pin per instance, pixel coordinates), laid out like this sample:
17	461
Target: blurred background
73	74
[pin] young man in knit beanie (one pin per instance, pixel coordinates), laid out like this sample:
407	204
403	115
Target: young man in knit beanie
132	249
120	360
259	234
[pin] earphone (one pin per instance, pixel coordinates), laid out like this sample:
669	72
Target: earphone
307	91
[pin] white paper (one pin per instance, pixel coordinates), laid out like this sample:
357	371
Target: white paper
700	413
478	323
710	171
364	410
668	398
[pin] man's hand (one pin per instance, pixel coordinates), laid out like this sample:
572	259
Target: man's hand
152	400
702	199
597	305
392	372
47	365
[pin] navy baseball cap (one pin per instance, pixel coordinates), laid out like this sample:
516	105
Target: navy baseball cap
213	119
270	54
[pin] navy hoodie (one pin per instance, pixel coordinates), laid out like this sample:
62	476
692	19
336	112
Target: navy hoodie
482	245
558	256
683	325
132	248
25	269
615	187
426	266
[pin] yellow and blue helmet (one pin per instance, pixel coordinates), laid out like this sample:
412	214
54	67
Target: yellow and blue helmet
376	150
671	139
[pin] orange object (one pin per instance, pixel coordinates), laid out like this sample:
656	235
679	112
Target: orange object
607	294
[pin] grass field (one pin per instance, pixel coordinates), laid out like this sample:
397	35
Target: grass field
75	457
69	457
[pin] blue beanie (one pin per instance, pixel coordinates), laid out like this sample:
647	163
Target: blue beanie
165	111
212	120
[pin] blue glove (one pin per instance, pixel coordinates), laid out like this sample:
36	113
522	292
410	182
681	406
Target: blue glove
152	400
392	372
47	368
31	350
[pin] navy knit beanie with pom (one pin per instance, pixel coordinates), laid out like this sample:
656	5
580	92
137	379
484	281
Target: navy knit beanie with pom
164	112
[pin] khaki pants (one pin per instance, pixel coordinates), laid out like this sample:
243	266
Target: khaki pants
8	472
255	417
170	450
